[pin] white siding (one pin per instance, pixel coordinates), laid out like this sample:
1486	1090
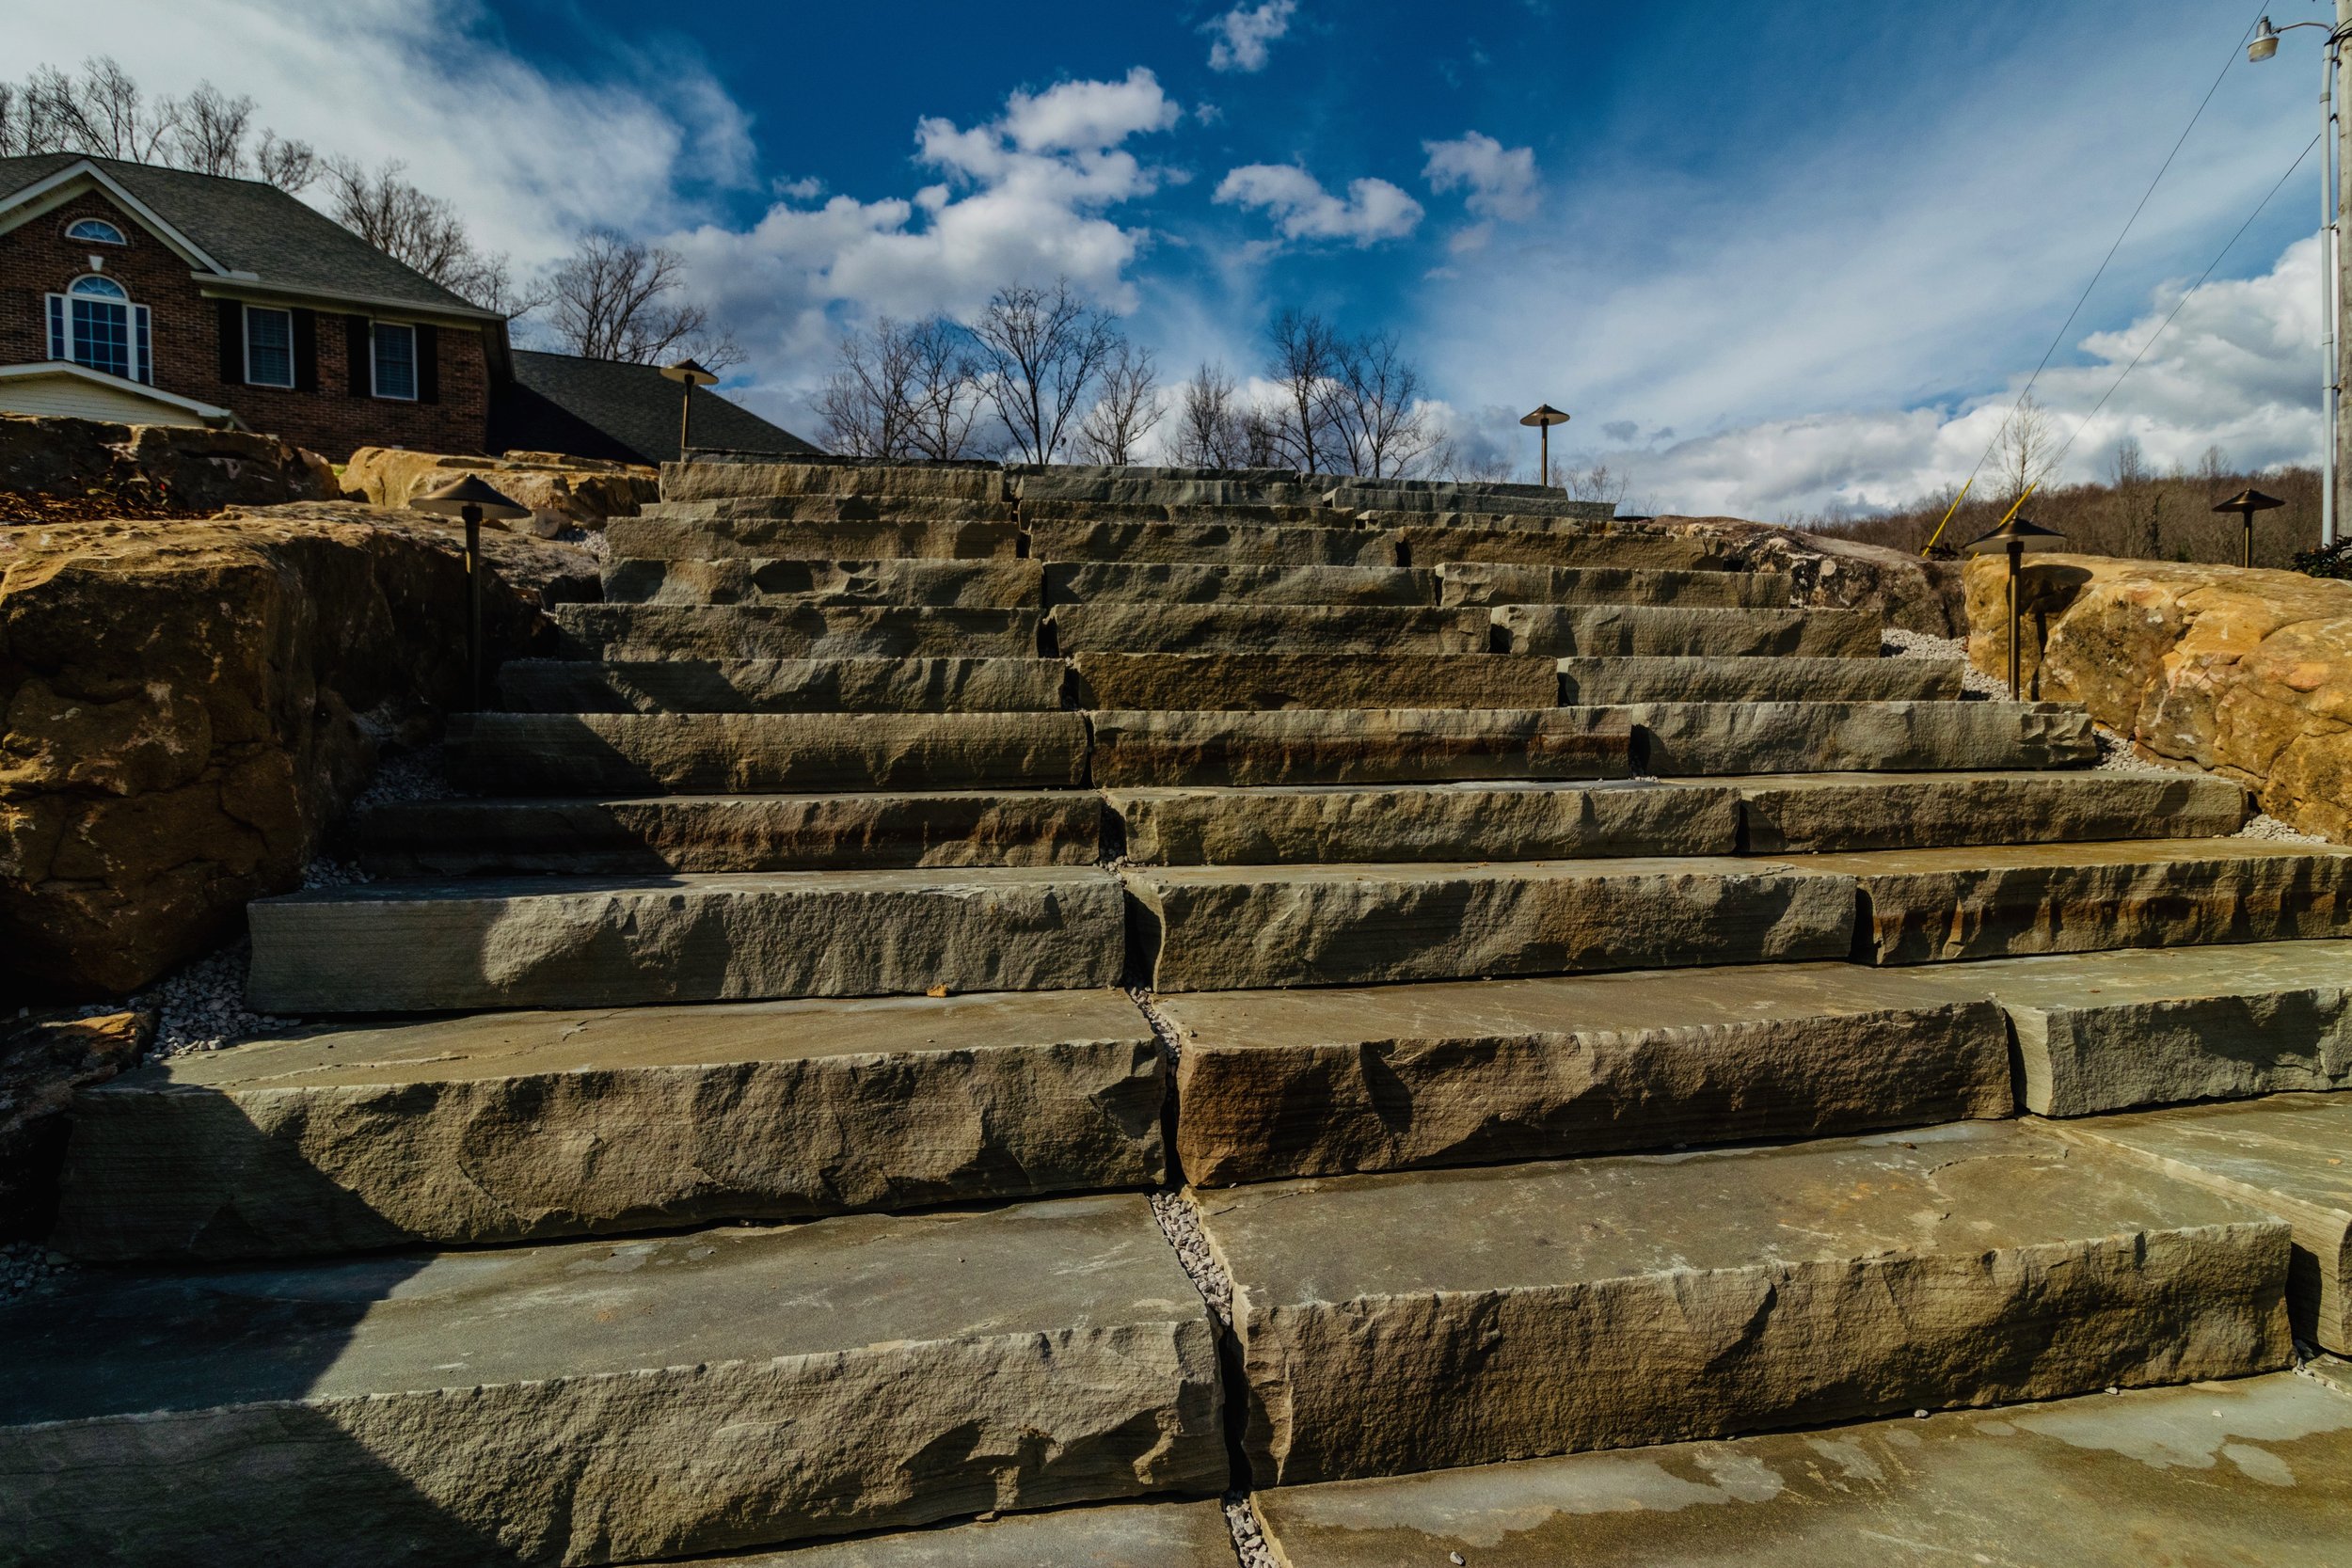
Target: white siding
84	400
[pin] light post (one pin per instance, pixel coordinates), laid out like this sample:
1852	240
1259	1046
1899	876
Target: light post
471	500
2018	535
1543	418
689	376
2265	45
2245	503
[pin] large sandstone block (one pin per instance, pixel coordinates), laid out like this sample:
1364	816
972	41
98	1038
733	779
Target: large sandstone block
1199	582
1299	745
1518	504
957	482
2254	1471
1708	739
821	510
622	632
1244	927
1319	1082
572	754
1438	541
1490	583
1194	682
1101	1535
783	686
557	942
428	839
1802	813
1594	681
1123	486
1312	539
600	1402
1176	629
1646	630
1390	1324
510	1127
987	585
1503	821
793	538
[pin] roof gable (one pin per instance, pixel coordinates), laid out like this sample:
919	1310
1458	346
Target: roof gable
611	408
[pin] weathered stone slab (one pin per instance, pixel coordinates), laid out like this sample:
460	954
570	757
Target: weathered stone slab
963	482
1321	1083
509	1127
1436	542
1069	582
1513	507
2254	1471
1176	629
1104	1535
1494	583
1141	486
987	585
1933	905
1412	1321
1310	539
1710	740
561	942
2285	1156
811	539
783	686
1644	630
598	1402
1801	813
622	632
426	839
1278	680
1247	928
1504	821
833	509
570	753
1592	682
1298	746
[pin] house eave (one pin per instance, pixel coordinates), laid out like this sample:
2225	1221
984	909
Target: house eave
208	412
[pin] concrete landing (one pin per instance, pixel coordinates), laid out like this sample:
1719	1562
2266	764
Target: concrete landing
1591	682
1647	631
783	686
1203	682
1802	813
624	632
1145	748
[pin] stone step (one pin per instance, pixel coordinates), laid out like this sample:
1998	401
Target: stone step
1041	515
621	633
1088	537
1144	749
1065	484
1505	821
1436	543
1125	582
783	686
1277	1083
1711	739
426	840
1648	631
819	509
1518	507
752	537
597	1402
2254	1471
1493	583
706	753
1802	813
953	481
590	941
1597	681
496	1128
1177	629
1254	928
1197	682
1412	1321
2285	1156
990	585
1098	1535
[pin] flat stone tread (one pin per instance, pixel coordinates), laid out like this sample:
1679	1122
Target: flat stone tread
1499	871
2054	781
113	1343
789	883
2255	1472
1142	627
1109	1535
1244	794
1071	583
2005	857
1794	677
2291	1147
966	582
2130	976
475	1046
999	683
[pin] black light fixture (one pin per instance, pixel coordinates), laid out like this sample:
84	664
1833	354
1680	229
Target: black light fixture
472	499
2017	536
689	374
1543	417
2245	503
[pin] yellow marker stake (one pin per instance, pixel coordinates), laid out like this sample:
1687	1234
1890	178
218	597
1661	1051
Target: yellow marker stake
1947	516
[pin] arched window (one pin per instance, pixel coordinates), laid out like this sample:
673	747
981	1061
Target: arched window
97	231
94	323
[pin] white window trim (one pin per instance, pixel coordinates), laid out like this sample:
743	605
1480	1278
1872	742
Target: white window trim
376	387
287	385
140	323
119	237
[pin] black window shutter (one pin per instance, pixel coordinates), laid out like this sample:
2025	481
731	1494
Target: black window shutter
356	354
232	341
428	364
305	351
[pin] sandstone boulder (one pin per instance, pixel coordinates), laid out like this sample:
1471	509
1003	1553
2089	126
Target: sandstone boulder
150	469
561	492
43	1059
1831	573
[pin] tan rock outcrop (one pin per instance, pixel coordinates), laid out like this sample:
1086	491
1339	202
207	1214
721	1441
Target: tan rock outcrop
151	469
561	492
43	1059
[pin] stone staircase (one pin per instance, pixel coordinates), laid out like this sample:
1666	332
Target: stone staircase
1067	993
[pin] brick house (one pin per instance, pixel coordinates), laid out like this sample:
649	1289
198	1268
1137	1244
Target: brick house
138	294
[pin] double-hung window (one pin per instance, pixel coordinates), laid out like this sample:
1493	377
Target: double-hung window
269	347
94	324
394	349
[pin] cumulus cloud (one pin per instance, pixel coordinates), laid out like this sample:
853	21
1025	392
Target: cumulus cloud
1372	211
1242	33
1501	180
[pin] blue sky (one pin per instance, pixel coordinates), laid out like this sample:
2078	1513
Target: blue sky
1776	259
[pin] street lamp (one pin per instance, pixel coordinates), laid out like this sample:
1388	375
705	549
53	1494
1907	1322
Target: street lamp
2018	535
471	500
1543	418
691	375
2245	503
2265	45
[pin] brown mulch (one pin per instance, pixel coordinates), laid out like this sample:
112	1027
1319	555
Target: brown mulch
17	508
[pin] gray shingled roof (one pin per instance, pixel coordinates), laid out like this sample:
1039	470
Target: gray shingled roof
608	408
248	225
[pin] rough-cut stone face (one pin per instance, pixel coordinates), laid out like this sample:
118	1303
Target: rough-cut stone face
1197	682
1192	582
1484	583
1090	536
2254	1471
624	632
1687	739
1319	1082
952	584
950	481
561	492
783	686
1177	629
1145	748
794	538
45	1058
1414	1322
1669	630
1439	541
601	1401
1804	814
1592	682
506	1127
1112	1535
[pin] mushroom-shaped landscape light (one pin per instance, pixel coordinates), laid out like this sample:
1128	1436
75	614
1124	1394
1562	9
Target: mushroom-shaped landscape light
472	499
2017	535
2245	503
689	374
1543	417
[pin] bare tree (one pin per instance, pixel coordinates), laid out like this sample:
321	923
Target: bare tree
613	300
1041	351
1376	411
288	164
2025	449
422	232
867	404
1208	421
104	113
1128	409
2138	500
2213	467
2129	465
208	135
1304	359
945	394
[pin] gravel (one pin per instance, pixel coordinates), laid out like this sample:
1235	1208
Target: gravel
1249	1543
27	1268
201	1005
1897	642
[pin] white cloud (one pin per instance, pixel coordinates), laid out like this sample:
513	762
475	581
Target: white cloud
1372	210
1242	33
1501	180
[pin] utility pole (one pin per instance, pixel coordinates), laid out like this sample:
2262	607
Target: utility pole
2332	266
